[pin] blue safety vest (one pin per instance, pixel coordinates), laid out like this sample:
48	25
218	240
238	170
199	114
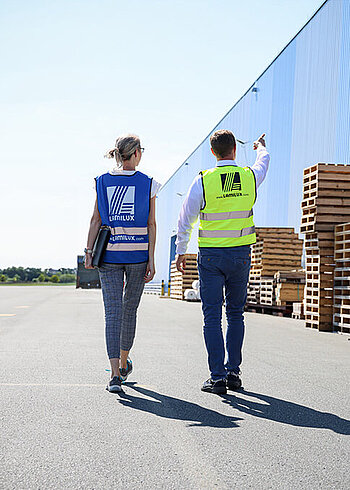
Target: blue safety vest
124	204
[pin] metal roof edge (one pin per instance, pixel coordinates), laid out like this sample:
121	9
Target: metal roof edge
246	92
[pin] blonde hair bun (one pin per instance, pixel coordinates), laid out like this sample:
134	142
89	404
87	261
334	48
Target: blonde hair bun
124	148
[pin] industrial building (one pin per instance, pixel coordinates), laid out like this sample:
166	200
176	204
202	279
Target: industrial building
302	102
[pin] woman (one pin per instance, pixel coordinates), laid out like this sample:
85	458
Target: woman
126	202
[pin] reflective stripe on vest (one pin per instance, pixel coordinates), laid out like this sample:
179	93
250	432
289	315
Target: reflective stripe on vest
120	230
227	233
126	247
228	215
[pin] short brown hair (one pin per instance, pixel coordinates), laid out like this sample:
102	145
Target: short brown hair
222	142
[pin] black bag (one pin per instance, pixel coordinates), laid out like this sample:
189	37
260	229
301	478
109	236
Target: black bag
100	245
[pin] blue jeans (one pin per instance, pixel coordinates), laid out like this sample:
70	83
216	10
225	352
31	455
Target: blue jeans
223	270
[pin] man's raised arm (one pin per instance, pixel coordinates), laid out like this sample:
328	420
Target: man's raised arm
262	161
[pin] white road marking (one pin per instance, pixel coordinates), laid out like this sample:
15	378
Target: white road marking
50	384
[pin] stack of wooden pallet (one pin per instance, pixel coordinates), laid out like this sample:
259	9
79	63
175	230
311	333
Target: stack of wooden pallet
276	249
289	287
341	316
267	296
256	260
253	291
180	282
326	202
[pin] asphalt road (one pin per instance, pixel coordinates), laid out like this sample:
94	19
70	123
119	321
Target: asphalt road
288	429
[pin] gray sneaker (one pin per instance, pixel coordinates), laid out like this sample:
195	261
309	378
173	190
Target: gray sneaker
115	385
124	373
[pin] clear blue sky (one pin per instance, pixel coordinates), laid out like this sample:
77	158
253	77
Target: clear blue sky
77	73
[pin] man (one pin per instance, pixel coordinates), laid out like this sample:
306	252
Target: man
223	197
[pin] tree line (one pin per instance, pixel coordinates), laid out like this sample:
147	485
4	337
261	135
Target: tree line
33	274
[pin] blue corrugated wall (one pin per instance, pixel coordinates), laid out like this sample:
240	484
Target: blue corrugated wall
342	147
302	102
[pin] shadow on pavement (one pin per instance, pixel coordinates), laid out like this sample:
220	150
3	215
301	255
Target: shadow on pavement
174	408
286	412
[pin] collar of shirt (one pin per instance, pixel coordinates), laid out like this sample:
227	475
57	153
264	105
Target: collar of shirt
223	163
120	171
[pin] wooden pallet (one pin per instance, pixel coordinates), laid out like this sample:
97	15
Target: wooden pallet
341	310
269	309
276	244
291	277
180	282
267	296
326	202
319	289
253	290
325	180
277	249
289	287
298	311
289	292
326	197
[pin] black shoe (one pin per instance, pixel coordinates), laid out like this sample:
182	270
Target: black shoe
124	373
218	387
115	385
233	381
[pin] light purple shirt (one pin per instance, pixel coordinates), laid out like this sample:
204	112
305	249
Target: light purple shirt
194	200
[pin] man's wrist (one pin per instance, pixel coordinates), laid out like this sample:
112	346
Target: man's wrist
88	251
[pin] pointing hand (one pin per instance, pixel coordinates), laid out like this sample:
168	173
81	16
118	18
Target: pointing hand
260	141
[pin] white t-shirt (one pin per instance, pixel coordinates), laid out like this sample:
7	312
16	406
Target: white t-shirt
119	171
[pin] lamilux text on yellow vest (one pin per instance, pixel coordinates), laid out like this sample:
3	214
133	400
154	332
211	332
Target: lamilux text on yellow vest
227	217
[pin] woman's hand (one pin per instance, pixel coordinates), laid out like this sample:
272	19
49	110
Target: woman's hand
150	271
88	261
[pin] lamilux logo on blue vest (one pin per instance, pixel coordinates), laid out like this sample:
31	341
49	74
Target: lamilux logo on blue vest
121	203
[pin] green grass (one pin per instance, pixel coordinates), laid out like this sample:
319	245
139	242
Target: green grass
37	283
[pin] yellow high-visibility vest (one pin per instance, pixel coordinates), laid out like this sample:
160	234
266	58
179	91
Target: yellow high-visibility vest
227	217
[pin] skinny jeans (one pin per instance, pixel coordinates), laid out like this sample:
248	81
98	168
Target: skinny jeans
121	303
223	277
